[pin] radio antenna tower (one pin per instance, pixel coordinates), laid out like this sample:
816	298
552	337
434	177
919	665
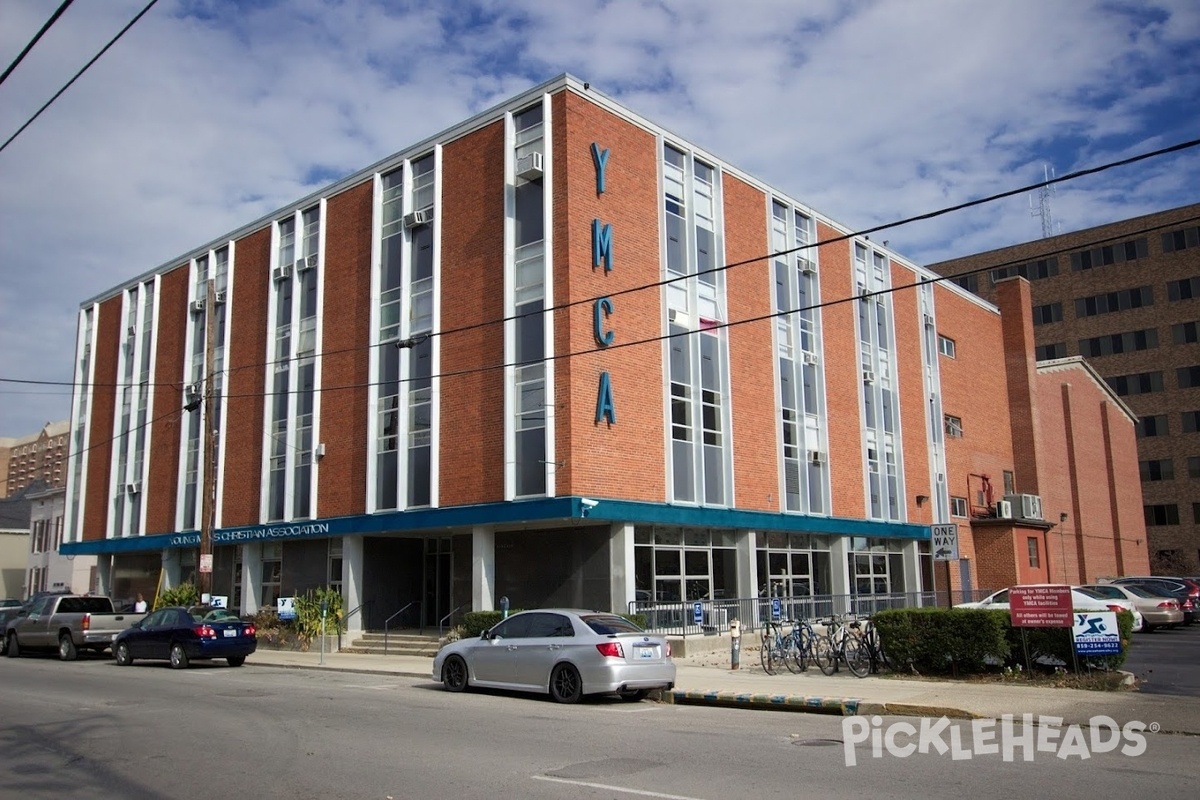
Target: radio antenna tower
1043	206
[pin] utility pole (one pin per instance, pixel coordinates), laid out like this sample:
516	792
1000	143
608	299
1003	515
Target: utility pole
209	491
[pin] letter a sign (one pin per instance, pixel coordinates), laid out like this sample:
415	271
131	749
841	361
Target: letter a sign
944	541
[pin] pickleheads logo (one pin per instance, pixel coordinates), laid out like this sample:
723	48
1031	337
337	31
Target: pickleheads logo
963	741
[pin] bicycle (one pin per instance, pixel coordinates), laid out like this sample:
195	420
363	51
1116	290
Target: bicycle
804	644
874	646
780	647
842	642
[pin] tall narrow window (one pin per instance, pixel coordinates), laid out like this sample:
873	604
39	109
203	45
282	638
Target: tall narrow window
879	391
131	432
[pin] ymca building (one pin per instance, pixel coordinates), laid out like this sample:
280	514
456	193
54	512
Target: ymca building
558	354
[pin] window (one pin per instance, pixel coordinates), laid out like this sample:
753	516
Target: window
1196	513
1193	465
1049	352
1010	482
1110	254
1034	270
946	346
1191	421
1044	315
1032	544
968	282
1119	343
1139	383
1188	377
1162	514
958	506
954	427
1185	333
1152	426
1184	289
1162	469
272	573
1181	239
1111	302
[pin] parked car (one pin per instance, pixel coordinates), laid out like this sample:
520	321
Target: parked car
10	602
1167	588
566	652
67	623
182	635
1157	611
1080	600
1192	585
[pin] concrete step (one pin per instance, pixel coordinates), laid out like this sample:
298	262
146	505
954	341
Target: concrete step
393	649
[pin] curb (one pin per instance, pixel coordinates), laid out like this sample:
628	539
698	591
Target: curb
839	706
397	673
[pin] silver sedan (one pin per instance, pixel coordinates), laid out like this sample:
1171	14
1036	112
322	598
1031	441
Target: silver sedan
566	652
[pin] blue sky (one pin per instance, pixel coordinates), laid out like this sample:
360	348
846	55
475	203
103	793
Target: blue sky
211	113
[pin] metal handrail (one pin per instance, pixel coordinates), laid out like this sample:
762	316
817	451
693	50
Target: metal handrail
442	621
388	622
355	610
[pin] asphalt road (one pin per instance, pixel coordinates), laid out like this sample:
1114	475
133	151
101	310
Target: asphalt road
1167	661
92	729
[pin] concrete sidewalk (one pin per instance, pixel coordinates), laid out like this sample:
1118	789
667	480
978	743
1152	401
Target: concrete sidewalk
701	680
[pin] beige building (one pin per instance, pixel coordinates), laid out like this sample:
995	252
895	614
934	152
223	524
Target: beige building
14	552
41	456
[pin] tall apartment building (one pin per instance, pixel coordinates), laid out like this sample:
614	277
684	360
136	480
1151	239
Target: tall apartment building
1126	296
559	354
41	456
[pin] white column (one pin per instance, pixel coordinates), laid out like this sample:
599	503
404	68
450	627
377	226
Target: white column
483	568
352	584
251	577
912	573
839	549
622	585
747	579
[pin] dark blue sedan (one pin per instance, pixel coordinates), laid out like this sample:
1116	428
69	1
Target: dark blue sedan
181	635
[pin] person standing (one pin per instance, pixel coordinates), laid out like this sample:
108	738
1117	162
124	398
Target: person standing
140	606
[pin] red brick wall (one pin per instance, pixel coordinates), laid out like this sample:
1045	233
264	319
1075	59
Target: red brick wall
472	264
749	290
163	474
346	287
242	468
110	334
1125	492
625	459
843	376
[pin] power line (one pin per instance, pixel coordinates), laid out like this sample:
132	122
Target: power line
34	40
95	58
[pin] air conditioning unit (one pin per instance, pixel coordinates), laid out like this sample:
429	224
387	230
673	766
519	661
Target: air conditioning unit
306	263
197	306
219	297
418	218
530	167
929	320
282	273
810	359
806	267
862	288
1026	506
816	457
131	330
1004	509
194	389
678	317
868	376
133	487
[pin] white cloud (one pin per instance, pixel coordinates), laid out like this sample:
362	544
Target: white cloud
209	114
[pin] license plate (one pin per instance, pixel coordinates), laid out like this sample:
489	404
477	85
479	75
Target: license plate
230	633
645	652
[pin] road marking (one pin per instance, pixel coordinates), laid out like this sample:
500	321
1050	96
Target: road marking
609	788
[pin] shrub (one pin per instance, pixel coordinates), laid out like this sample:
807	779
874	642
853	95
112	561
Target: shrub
939	640
308	614
1057	644
185	594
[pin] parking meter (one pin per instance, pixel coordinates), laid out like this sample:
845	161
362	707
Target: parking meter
324	611
504	607
735	646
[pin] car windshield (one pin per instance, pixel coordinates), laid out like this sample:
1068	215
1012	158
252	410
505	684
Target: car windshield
1096	594
605	624
1138	591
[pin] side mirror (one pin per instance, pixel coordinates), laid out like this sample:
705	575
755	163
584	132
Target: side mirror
485	635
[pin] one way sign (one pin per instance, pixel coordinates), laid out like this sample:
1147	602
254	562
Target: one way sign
945	542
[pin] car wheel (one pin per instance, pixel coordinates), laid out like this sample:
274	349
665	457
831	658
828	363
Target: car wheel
14	649
633	695
122	655
236	661
454	674
565	684
1147	628
66	648
179	659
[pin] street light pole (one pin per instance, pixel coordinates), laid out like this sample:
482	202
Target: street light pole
208	497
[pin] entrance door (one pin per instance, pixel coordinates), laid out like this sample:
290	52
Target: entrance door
437	580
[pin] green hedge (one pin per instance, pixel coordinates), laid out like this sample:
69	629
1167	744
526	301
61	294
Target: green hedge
476	622
941	640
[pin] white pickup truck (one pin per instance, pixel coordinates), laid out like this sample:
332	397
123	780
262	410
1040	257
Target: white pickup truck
68	623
